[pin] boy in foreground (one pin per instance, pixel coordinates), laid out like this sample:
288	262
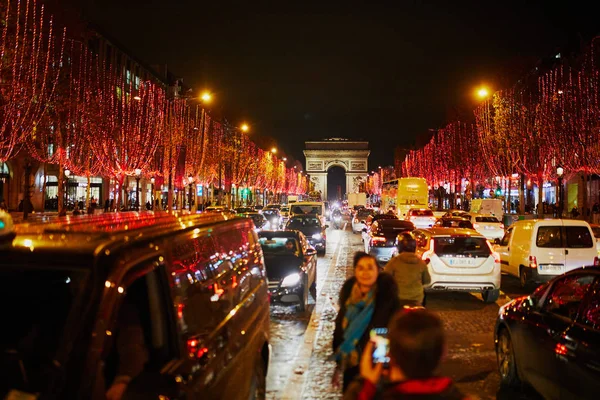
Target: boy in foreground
416	341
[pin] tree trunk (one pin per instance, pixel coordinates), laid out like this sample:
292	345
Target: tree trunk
540	180
521	195
62	190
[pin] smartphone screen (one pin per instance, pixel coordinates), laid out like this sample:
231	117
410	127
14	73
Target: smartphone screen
380	345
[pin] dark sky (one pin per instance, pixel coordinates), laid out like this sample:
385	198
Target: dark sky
380	71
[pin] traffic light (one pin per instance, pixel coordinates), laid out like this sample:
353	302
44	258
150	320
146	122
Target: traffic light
498	192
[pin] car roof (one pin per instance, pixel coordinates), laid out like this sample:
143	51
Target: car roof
394	222
455	218
306	216
272	234
452	232
91	234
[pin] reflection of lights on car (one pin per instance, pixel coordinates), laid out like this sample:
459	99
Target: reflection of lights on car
291	280
316	236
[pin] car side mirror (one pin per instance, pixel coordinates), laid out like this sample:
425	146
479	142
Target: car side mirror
497	241
364	230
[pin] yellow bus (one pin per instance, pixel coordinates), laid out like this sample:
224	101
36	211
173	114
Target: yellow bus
403	194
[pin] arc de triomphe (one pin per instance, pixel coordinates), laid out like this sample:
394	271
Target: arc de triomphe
351	155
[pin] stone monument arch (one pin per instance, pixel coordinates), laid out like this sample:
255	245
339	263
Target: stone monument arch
351	155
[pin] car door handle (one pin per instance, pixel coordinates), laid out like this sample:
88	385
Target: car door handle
566	251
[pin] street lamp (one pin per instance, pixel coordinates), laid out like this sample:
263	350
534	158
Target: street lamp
67	174
483	92
245	128
206	97
274	150
190	181
152	181
138	172
559	172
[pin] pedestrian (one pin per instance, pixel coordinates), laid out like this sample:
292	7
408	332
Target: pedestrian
107	205
417	344
574	212
409	272
76	210
112	205
367	300
3	206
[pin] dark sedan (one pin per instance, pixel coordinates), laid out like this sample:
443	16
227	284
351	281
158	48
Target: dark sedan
381	240
551	339
257	218
310	225
291	265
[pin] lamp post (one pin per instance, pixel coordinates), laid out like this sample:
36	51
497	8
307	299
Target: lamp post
138	172
190	182
152	180
559	172
67	174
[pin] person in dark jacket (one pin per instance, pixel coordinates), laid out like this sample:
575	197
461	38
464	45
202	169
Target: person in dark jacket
416	345
409	271
367	300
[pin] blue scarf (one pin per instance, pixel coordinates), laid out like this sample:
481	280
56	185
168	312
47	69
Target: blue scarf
356	320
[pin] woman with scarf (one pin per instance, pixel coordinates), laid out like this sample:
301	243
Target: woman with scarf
367	300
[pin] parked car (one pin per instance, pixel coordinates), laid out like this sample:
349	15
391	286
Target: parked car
460	260
454	222
420	217
273	217
382	240
359	219
551	339
488	225
310	225
191	289
538	250
291	264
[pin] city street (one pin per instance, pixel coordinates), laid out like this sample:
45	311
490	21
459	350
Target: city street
300	367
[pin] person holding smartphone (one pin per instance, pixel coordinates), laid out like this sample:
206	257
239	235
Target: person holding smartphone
416	342
367	300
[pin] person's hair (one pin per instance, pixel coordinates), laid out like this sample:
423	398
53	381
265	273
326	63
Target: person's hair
416	342
407	242
359	255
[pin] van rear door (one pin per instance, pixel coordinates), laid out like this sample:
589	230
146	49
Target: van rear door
549	247
580	246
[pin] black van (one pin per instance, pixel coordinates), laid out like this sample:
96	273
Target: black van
152	304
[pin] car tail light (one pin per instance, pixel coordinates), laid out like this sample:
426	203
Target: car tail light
501	226
561	349
494	254
378	241
533	262
427	254
596	262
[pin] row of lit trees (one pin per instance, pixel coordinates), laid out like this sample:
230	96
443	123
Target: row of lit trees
64	105
547	120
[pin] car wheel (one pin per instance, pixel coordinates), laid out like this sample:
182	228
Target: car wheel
507	365
258	388
303	300
490	296
523	277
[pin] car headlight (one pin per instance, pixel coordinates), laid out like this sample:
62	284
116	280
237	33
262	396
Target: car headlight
317	236
291	280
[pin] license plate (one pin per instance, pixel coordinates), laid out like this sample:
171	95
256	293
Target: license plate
461	262
551	269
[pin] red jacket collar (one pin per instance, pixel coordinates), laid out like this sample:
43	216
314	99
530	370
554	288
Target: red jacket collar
424	386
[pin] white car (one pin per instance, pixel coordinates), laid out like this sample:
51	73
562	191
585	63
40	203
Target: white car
488	225
421	217
460	260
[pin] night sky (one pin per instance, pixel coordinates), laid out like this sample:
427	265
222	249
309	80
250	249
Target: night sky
384	72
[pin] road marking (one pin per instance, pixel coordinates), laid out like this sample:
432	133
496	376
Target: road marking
295	385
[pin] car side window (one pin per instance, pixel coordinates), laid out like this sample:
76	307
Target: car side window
549	237
566	295
506	239
590	314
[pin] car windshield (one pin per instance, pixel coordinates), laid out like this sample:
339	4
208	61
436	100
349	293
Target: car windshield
306	209
270	213
487	219
258	219
393	226
465	246
279	245
244	209
300	223
363	214
35	306
454	223
421	213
